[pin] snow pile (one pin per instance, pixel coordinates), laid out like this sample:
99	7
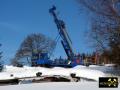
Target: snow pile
5	75
11	72
20	72
110	65
94	66
57	71
79	67
87	73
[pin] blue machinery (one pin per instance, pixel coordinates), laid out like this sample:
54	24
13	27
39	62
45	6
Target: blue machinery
66	43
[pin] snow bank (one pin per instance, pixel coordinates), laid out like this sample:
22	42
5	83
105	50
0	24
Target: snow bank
110	65
94	66
87	73
5	75
57	71
26	71
79	67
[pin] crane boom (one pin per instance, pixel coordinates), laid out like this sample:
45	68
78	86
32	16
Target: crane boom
66	41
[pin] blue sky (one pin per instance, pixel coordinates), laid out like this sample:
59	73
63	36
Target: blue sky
18	18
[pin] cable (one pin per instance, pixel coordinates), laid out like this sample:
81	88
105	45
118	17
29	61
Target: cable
56	42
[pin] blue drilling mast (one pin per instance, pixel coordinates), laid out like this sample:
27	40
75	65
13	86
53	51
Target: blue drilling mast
66	41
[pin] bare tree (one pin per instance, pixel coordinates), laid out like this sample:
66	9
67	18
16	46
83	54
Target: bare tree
34	43
105	25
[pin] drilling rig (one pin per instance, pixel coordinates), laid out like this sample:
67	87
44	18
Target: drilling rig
72	59
66	41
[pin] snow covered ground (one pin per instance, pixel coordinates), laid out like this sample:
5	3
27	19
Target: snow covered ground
56	86
92	72
10	72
